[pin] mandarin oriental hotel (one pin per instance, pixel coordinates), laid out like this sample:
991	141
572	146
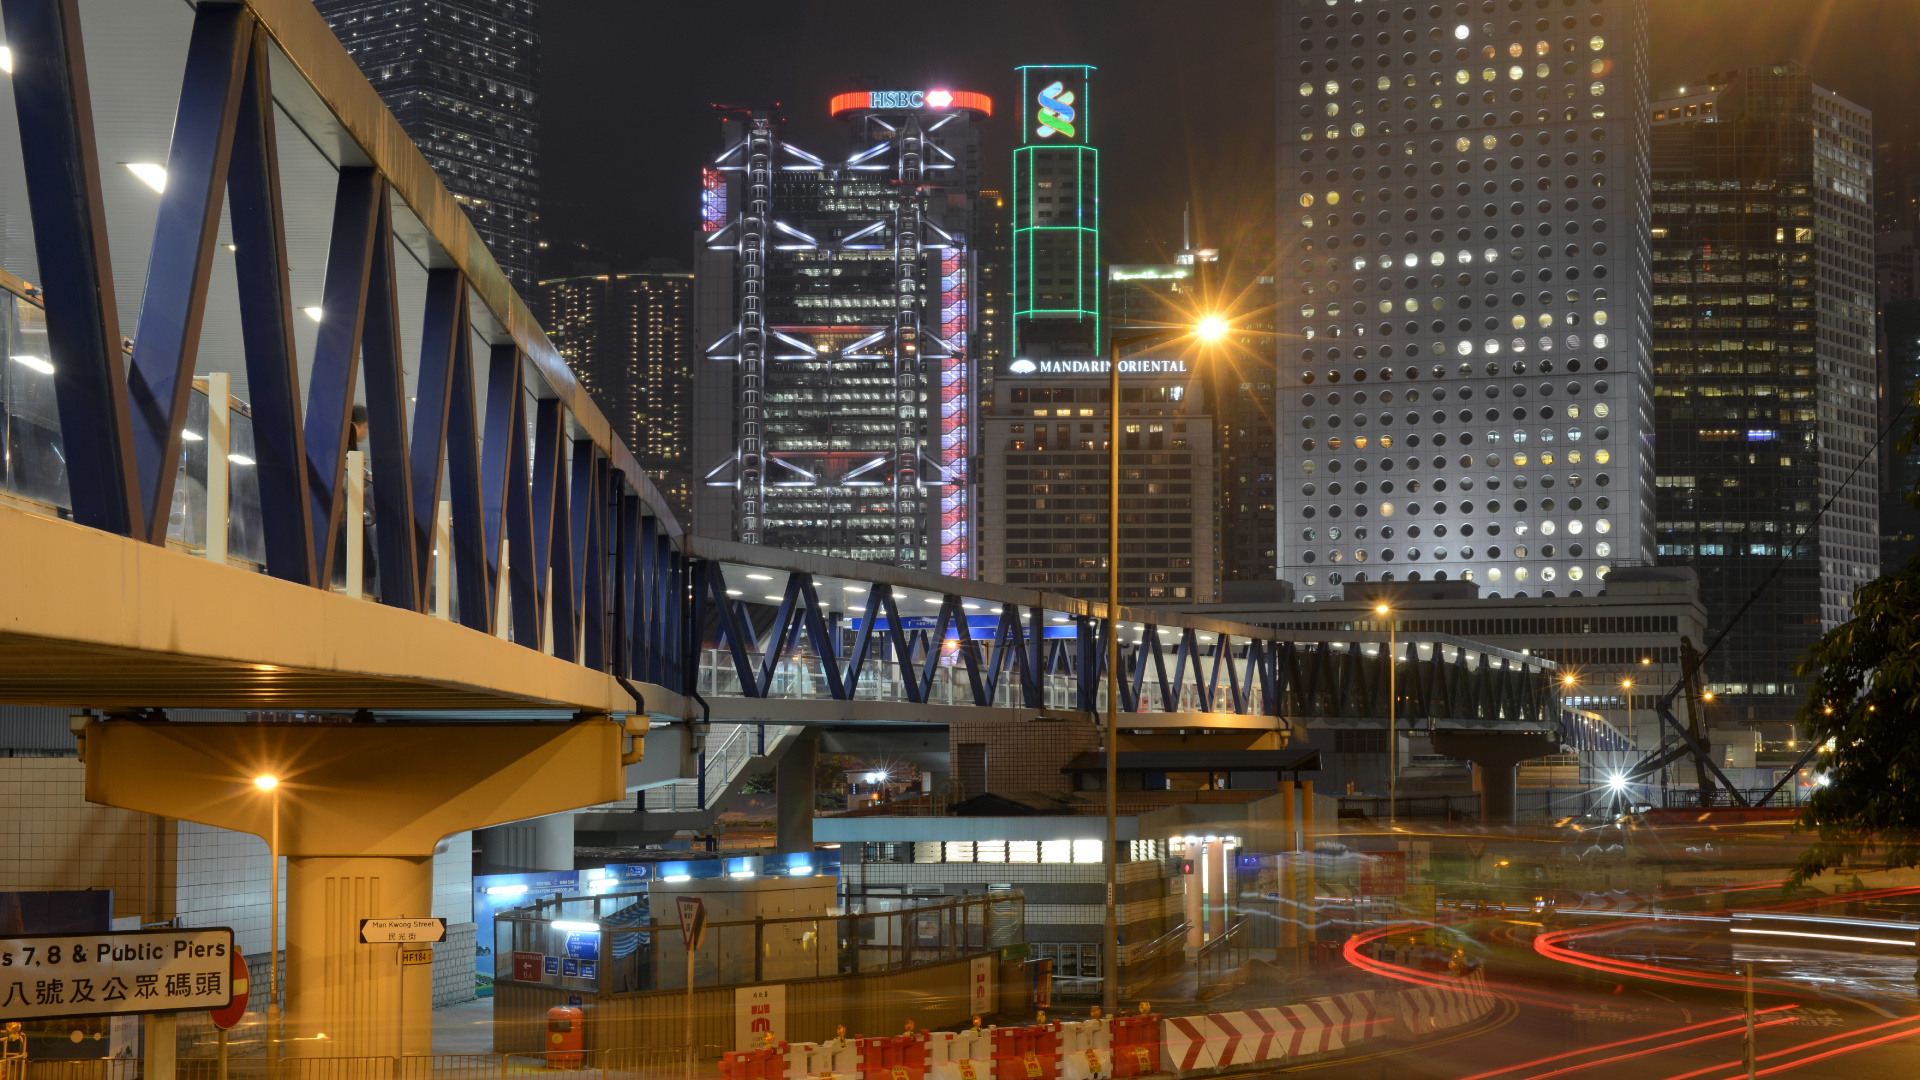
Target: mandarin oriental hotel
1463	274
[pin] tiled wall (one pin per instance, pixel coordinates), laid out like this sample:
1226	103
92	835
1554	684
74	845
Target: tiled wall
223	882
453	878
453	976
1028	757
55	839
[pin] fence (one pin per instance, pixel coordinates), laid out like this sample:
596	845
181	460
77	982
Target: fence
639	1063
629	954
932	995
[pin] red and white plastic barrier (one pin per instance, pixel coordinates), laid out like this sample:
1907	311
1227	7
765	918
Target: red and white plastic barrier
1130	1046
1446	1003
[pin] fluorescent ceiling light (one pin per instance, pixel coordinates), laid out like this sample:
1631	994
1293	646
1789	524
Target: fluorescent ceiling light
759	577
678	877
506	890
578	927
6	59
312	313
240	459
741	874
192	436
154	176
35	363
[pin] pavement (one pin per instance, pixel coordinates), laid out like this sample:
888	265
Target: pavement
466	1028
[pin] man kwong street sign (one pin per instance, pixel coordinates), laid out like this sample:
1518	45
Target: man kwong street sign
49	976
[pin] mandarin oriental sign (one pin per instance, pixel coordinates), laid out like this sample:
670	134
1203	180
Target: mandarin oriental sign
1096	367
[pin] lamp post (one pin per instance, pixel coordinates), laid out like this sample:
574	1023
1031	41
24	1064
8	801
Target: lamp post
270	784
1208	329
1633	744
1393	718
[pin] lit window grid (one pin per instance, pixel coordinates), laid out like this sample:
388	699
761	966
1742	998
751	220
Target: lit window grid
1624	261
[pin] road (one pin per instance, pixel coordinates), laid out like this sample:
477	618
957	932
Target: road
1662	1001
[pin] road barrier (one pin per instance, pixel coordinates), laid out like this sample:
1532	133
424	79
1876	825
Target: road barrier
1446	1003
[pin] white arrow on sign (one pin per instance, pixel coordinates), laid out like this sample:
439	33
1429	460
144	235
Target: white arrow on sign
402	931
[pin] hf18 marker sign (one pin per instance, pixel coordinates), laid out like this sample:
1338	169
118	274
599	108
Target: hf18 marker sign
49	976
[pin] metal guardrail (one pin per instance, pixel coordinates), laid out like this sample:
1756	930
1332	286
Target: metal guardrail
1220	958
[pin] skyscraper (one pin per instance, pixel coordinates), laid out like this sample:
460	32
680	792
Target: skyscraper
835	404
1763	317
1462	254
461	76
629	337
1056	216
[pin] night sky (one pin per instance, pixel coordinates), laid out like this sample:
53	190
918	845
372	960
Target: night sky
1183	103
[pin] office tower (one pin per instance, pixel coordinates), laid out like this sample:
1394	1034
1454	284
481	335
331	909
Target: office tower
461	77
1246	409
993	255
1899	472
1763	348
1897	283
1056	217
1462	260
1239	376
629	338
1044	469
836	402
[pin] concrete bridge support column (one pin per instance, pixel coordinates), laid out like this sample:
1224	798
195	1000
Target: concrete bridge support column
1496	757
346	999
794	786
357	809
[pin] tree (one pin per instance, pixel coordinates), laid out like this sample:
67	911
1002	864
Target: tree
1862	712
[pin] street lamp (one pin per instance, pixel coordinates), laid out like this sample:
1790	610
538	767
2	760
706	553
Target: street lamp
1208	329
270	784
1627	685
1393	721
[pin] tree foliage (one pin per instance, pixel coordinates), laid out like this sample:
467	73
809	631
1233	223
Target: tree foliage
1864	711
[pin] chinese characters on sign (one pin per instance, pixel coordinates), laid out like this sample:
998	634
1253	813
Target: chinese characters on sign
45	976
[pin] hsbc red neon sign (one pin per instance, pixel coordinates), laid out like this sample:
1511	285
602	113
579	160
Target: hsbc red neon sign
905	100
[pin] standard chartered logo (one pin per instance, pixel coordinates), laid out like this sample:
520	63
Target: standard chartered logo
1056	112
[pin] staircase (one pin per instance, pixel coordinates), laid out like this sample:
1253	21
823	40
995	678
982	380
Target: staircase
734	753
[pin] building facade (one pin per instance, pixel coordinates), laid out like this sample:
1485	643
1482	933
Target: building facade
1766	404
1464	374
1043	479
1055	263
462	77
1899	472
629	338
835	404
